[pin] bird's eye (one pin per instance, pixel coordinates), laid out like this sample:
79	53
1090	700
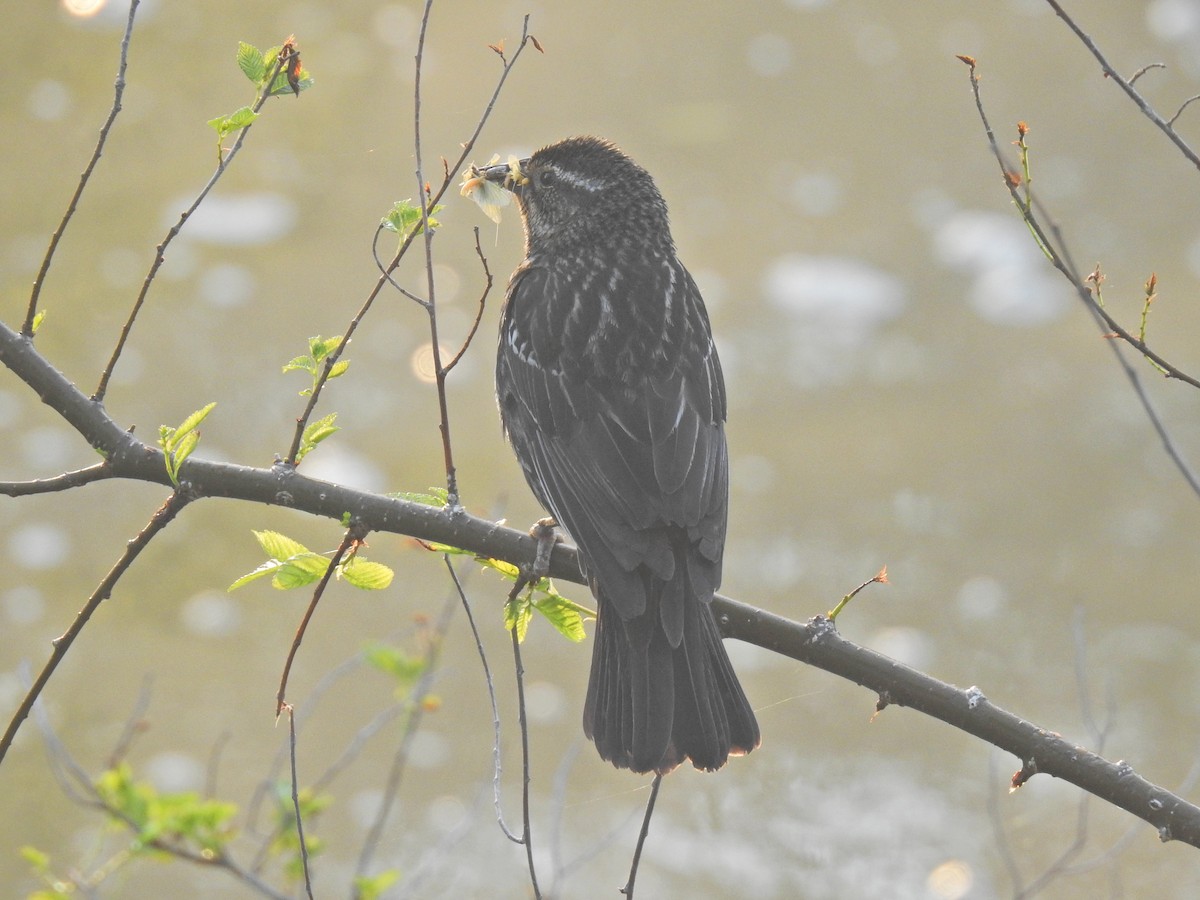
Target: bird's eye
546	177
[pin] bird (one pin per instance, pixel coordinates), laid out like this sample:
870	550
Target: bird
611	395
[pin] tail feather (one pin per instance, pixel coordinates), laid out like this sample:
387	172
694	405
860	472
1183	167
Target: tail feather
652	702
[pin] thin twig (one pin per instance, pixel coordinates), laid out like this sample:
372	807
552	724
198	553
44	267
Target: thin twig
487	289
1179	112
641	841
135	722
1127	86
63	482
352	537
296	801
1144	69
527	828
118	92
439	371
161	518
497	765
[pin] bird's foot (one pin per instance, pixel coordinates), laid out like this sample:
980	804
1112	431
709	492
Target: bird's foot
544	531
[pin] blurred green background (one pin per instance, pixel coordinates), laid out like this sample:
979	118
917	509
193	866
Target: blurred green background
909	385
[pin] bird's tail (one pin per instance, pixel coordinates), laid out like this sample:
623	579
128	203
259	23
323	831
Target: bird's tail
653	702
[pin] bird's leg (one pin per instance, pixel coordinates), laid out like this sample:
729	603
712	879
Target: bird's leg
544	531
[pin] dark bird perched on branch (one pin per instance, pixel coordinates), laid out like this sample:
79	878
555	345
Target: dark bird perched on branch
611	393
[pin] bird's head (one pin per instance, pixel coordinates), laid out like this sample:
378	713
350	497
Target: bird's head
583	189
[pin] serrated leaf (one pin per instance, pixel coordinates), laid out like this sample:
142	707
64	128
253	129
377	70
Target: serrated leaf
320	347
339	368
267	568
242	117
279	546
563	615
195	418
303	363
184	449
300	571
250	60
433	497
505	568
226	125
317	432
367	575
517	613
404	217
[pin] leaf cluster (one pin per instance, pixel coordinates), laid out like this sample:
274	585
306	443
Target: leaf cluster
178	443
292	565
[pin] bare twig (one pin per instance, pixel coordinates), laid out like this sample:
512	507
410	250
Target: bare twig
63	482
296	801
1179	112
1127	86
118	93
527	828
1144	69
161	518
352	538
641	841
497	765
487	288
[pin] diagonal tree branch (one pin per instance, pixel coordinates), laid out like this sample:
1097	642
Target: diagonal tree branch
815	643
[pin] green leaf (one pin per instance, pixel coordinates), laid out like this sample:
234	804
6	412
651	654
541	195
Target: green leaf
267	568
38	318
178	443
301	363
278	546
404	217
195	418
393	661
371	887
250	60
315	433
226	125
517	613
321	347
185	447
299	571
367	575
438	497
36	858
563	614
339	368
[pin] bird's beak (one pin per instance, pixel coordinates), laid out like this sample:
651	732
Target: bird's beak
509	175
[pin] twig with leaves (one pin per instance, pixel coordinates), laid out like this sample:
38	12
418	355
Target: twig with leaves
267	72
1049	239
410	221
